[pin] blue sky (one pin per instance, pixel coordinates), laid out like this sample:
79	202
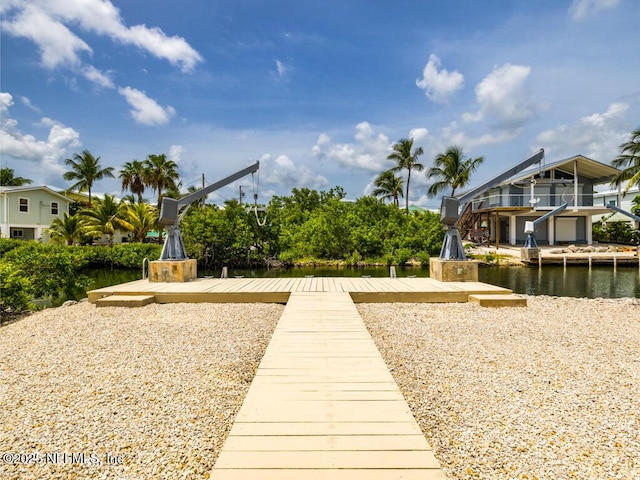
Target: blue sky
317	91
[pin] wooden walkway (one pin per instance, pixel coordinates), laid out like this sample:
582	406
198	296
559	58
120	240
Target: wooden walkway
323	405
361	289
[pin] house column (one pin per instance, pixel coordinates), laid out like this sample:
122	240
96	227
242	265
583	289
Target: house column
576	199
589	222
551	230
512	230
619	202
5	225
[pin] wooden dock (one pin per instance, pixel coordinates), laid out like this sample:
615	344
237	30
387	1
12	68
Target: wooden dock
323	405
278	290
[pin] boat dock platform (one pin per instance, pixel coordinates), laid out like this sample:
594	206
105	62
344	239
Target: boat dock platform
278	290
322	405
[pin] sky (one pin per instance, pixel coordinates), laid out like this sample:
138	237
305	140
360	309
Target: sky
318	92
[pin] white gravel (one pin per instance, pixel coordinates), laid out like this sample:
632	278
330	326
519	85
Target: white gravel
550	391
156	388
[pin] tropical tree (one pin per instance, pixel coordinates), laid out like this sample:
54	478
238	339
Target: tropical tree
104	218
452	169
635	208
389	186
139	219
68	228
8	179
85	168
406	160
629	161
132	175
160	174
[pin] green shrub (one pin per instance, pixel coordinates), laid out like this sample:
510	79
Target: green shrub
402	256
423	257
51	270
8	244
353	259
15	289
615	232
130	255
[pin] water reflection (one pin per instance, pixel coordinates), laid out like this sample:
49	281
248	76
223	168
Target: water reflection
575	281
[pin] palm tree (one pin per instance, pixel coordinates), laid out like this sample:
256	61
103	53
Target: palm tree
406	159
104	218
67	228
389	187
132	175
452	169
629	159
160	174
139	219
85	168
8	179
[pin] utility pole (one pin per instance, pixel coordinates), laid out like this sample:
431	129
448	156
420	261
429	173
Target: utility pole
241	194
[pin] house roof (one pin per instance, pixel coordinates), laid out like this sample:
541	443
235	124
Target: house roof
10	189
587	167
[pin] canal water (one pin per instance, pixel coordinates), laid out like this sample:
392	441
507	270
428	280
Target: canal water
574	281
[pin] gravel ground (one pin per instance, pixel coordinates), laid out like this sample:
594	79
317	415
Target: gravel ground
551	391
145	393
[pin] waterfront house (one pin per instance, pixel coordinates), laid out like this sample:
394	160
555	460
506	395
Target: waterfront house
27	212
605	194
499	214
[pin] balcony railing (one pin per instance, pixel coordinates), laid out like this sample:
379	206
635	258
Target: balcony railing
523	200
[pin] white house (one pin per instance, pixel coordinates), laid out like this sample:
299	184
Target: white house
503	211
604	194
27	212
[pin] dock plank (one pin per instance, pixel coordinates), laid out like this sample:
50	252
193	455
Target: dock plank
323	402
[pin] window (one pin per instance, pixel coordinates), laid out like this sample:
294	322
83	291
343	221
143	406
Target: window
24	205
16	233
54	208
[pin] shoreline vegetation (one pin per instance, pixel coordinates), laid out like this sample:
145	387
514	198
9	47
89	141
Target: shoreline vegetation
33	274
547	391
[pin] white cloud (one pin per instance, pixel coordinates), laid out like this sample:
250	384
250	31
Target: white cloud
503	98
368	152
57	44
597	136
146	111
283	172
189	170
47	154
97	77
175	153
418	134
6	101
581	9
439	85
173	49
454	135
27	103
282	69
44	22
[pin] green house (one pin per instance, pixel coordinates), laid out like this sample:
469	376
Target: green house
26	212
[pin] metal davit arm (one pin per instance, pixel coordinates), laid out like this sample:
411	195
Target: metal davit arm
450	208
173	248
612	207
529	227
